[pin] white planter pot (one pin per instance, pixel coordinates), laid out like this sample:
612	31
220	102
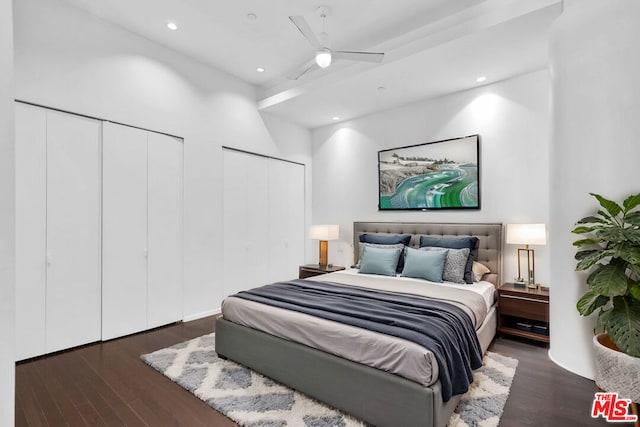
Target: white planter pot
615	370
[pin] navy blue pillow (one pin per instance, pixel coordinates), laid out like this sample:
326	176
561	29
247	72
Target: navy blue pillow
470	242
388	239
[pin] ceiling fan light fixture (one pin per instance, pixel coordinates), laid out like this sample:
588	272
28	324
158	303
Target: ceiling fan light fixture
323	58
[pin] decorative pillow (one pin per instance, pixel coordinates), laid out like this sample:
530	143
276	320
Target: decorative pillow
361	247
383	261
385	239
427	265
469	242
479	270
388	239
454	265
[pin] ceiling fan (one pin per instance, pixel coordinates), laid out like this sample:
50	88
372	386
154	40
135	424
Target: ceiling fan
325	55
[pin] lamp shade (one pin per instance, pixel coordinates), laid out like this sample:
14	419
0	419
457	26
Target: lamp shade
526	234
324	232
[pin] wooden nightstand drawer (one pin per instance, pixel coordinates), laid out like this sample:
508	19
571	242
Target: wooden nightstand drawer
523	306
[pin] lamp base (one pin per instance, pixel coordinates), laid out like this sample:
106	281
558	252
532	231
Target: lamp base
323	249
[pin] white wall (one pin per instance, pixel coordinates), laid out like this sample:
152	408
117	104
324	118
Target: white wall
595	56
512	118
65	58
7	217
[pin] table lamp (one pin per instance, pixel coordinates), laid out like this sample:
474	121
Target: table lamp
527	234
324	233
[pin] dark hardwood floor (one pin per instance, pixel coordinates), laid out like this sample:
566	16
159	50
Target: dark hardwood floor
106	384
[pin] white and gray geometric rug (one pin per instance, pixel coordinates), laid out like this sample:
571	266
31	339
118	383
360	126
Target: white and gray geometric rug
252	400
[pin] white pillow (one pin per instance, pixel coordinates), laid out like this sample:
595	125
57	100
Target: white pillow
479	270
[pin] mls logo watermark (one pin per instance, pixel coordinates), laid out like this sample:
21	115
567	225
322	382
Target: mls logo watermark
609	407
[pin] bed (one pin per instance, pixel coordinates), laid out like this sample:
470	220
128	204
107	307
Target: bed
380	395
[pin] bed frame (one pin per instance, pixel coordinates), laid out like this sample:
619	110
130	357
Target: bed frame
372	395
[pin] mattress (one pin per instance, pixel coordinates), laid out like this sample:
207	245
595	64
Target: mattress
391	354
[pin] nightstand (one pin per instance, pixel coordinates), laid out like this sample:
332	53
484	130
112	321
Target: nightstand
311	270
524	312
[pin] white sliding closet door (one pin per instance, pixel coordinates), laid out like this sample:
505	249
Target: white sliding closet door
245	220
73	231
263	220
124	225
142	230
164	229
286	219
31	218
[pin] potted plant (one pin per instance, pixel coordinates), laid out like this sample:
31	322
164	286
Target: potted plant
610	251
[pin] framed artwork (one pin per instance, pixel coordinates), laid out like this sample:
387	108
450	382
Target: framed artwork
434	175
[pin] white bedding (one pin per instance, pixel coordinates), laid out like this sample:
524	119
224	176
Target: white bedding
486	289
374	349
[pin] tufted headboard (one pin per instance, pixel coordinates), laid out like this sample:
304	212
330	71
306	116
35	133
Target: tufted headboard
489	238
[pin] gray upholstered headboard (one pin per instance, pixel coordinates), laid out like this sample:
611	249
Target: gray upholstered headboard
489	238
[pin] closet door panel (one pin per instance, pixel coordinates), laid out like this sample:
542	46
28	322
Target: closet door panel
286	219
257	226
245	221
73	231
235	247
31	216
124	230
165	155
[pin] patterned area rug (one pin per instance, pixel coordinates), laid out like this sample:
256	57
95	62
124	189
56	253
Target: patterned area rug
250	399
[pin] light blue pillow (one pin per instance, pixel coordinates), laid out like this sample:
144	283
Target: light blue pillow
427	265
381	261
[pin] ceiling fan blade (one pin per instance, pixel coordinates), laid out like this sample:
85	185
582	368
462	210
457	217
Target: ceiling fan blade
358	56
306	31
304	69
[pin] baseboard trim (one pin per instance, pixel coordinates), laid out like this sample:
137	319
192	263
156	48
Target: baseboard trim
197	316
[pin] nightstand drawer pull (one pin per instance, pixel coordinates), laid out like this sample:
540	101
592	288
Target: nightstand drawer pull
525	299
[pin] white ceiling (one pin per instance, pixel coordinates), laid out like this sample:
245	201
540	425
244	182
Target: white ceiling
432	47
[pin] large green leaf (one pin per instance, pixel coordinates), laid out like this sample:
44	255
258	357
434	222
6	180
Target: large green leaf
632	235
592	220
631	202
589	302
609	205
584	242
612	234
609	280
633	218
585	253
605	215
588	261
623	325
582	229
629	253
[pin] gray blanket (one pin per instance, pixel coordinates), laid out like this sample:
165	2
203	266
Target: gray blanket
442	328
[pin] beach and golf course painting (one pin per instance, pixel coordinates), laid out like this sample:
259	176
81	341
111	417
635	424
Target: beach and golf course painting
434	175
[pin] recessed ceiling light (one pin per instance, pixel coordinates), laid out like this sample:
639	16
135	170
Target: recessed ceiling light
335	118
260	70
172	26
252	16
381	88
481	79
